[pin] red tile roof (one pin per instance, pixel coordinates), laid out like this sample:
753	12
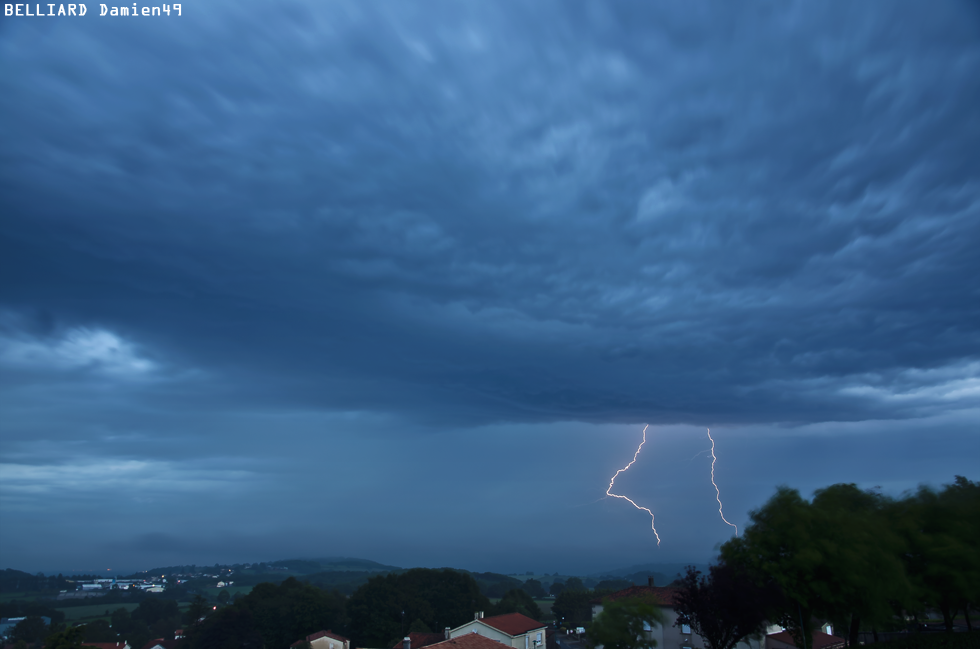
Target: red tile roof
160	642
318	635
470	641
420	640
512	623
661	595
820	639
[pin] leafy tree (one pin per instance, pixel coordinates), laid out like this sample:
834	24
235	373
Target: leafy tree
31	629
573	607
517	601
556	588
777	546
418	626
942	558
860	576
625	624
223	597
574	583
198	609
858	558
68	639
230	628
383	608
723	608
270	616
534	588
152	610
292	610
99	631
133	631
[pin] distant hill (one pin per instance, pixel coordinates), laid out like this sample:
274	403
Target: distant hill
662	573
350	564
283	567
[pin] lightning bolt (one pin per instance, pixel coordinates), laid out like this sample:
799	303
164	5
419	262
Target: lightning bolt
717	492
611	481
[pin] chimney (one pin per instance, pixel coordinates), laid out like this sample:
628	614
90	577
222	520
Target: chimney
481	615
407	642
476	615
446	632
650	582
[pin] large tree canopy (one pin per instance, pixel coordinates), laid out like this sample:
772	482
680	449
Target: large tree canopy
271	616
625	624
857	558
724	607
382	610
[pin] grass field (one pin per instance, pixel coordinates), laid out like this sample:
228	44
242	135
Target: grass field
94	611
9	597
545	606
232	590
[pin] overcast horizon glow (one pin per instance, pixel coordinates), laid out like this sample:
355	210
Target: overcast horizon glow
405	281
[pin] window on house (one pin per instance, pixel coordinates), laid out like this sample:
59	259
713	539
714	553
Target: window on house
686	629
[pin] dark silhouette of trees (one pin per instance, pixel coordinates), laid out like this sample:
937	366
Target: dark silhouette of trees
382	610
99	631
31	629
534	588
573	607
270	616
517	601
723	607
66	639
574	583
861	559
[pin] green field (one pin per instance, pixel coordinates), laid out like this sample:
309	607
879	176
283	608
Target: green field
232	590
545	606
94	611
9	597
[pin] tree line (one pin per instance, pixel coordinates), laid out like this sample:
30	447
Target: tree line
859	559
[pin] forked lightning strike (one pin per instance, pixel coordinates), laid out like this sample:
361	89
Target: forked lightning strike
717	491
610	493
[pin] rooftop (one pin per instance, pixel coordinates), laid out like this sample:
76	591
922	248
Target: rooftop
512	623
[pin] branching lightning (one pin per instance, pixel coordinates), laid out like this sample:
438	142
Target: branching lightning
717	491
652	521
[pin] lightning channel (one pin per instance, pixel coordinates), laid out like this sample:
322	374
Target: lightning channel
717	491
613	479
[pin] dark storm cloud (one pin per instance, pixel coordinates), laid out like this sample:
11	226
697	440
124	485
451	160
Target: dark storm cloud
608	214
320	221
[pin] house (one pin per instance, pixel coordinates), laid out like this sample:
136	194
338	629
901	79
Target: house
472	640
323	640
160	643
419	640
821	640
513	629
667	635
107	645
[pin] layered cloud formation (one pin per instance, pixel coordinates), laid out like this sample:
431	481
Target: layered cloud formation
439	216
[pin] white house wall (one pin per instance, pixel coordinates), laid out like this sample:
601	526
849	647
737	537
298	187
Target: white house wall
669	636
487	631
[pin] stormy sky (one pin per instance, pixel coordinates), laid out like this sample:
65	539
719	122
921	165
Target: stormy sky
405	280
